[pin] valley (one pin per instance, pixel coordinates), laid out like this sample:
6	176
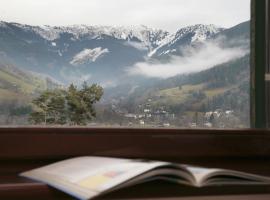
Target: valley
196	77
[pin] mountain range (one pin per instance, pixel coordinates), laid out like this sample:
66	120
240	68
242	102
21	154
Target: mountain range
104	54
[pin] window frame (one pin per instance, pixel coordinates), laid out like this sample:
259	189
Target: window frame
24	148
267	69
259	63
172	144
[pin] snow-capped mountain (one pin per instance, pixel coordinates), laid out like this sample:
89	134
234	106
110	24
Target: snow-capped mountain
185	36
148	36
100	53
153	39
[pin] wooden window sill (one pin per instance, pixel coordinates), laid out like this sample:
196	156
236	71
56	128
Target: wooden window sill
22	149
14	187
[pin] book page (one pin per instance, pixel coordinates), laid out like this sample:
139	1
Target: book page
215	176
200	173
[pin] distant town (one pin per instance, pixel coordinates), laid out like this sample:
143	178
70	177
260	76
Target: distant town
148	116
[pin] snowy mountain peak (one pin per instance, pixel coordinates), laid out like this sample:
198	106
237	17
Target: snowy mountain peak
201	32
191	34
198	32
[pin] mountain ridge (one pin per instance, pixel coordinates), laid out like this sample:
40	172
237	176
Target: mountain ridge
141	32
52	50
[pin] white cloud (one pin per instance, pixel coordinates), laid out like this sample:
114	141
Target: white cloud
192	60
166	14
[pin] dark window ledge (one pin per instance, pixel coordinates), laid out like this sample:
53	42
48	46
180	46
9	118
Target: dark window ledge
14	187
33	190
22	149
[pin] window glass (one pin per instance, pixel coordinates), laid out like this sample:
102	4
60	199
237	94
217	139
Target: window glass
140	63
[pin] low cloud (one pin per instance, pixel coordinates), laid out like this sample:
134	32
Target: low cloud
192	60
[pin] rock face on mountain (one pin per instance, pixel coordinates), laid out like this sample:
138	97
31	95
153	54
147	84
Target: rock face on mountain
98	54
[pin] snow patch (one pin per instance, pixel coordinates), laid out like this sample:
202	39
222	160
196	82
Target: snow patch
46	32
88	55
203	32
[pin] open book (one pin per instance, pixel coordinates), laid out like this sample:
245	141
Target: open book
88	177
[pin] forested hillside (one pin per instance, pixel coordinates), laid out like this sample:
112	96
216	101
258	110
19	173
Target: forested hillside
188	98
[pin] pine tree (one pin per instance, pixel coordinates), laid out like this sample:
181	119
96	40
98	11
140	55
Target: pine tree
71	106
49	108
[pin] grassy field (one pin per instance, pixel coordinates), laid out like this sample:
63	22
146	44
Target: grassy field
8	95
24	86
179	95
18	86
217	91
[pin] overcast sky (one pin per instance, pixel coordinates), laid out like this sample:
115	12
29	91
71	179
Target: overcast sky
165	14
